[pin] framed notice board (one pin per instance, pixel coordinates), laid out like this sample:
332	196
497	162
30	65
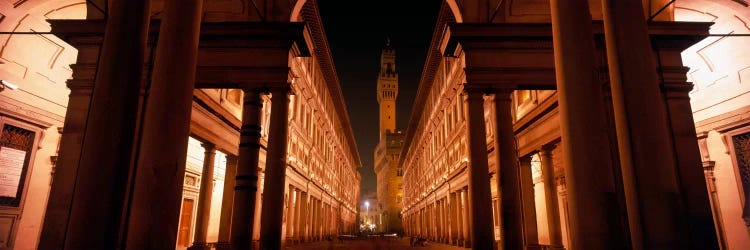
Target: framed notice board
18	141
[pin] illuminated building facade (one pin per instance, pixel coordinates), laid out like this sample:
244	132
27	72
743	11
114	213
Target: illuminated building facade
510	121
249	144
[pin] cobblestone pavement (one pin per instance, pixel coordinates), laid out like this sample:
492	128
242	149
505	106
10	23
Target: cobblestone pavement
370	244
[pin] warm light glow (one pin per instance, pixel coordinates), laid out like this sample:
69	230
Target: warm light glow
9	85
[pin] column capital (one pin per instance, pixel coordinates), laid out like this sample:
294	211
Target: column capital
285	88
503	91
561	181
677	89
80	86
210	148
231	159
253	89
547	149
475	90
708	166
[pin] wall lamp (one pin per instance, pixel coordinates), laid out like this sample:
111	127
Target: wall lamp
5	84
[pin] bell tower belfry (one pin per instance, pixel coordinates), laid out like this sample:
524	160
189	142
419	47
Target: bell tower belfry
387	89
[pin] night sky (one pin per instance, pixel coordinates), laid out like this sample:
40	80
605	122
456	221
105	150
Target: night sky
356	32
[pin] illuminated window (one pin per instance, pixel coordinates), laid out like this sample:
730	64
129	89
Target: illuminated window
234	96
523	96
536	166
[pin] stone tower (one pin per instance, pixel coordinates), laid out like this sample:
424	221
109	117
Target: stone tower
387	89
387	153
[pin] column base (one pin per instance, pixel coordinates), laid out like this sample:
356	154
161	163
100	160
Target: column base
544	247
223	246
199	246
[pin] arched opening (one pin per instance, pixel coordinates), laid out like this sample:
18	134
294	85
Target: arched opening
455	10
296	17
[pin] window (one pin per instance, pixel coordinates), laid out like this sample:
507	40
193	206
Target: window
400	172
536	166
741	145
523	96
234	96
16	146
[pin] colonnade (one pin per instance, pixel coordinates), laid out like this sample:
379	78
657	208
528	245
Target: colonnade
139	118
310	218
444	219
628	183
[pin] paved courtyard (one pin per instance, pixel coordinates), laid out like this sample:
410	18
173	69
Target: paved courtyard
370	244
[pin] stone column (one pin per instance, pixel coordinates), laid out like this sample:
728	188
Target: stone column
328	218
424	221
482	231
465	210
100	192
227	202
439	227
273	194
154	216
436	220
324	220
299	221
648	166
454	225
204	200
446	220
302	226
429	219
441	221
527	227
562	192
246	178
550	193
314	219
461	219
66	167
290	210
310	219
585	150
319	217
508	171
411	225
688	157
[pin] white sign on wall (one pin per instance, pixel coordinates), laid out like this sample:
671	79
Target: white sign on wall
11	166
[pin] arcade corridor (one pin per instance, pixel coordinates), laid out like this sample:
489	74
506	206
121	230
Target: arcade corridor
226	124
